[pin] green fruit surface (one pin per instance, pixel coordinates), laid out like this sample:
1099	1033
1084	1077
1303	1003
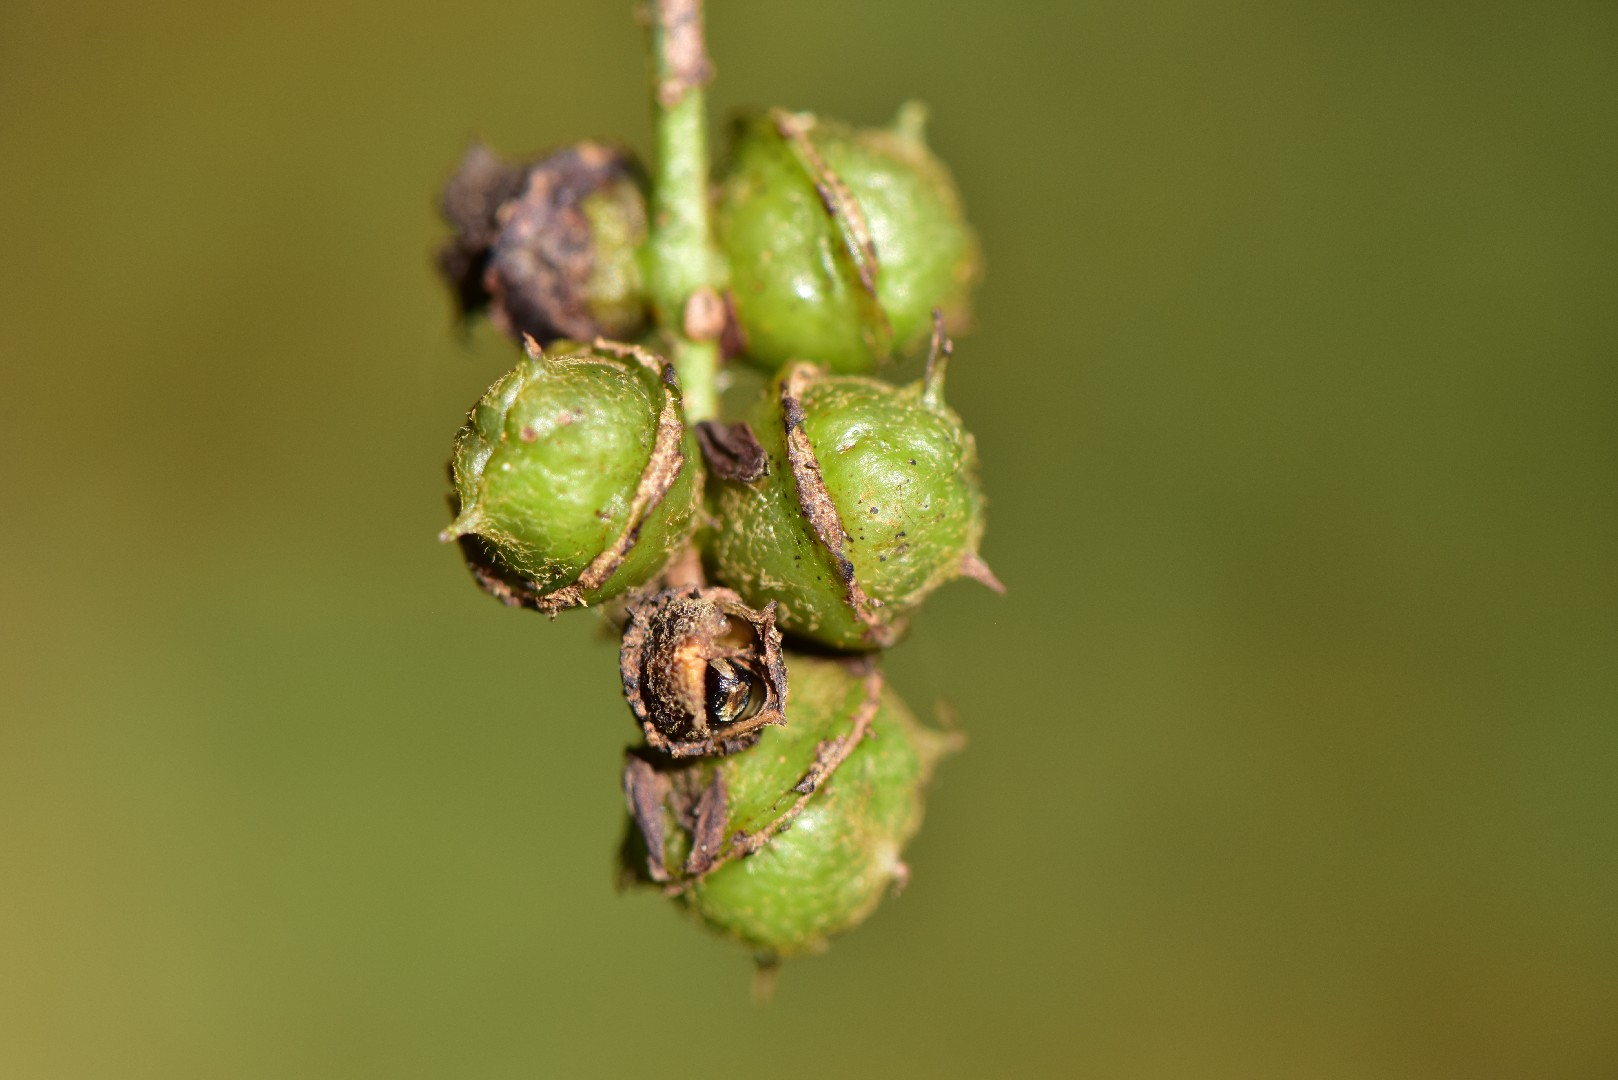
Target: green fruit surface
797	294
548	464
928	255
902	476
827	871
797	288
666	531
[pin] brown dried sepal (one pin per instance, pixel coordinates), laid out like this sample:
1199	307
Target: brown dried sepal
702	671
816	504
732	338
732	451
662	470
647	791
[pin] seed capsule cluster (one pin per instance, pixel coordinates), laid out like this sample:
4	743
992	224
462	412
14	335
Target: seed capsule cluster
756	566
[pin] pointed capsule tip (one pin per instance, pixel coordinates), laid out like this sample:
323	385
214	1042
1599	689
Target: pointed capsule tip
766	967
973	566
466	523
911	123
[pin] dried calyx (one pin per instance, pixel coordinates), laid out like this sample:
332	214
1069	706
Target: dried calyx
702	671
549	248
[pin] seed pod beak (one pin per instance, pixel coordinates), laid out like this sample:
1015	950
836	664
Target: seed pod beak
973	566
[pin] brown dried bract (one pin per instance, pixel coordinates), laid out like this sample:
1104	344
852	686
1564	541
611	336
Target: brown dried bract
702	671
732	338
732	451
646	791
711	818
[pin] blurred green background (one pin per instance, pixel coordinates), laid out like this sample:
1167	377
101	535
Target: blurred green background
1293	746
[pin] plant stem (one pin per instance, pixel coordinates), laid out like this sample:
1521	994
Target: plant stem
684	270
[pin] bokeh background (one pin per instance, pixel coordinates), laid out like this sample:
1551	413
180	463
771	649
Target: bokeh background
1293	746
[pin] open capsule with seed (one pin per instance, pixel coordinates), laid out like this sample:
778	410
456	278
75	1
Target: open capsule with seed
702	671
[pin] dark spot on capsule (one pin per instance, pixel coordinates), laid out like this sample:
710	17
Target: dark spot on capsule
912	461
873	510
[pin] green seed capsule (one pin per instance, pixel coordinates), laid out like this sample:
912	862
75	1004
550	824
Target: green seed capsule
868	499
785	844
574	478
550	249
841	242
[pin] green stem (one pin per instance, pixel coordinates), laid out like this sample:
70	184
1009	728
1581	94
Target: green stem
683	261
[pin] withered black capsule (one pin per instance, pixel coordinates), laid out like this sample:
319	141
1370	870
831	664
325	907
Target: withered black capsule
702	671
549	248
